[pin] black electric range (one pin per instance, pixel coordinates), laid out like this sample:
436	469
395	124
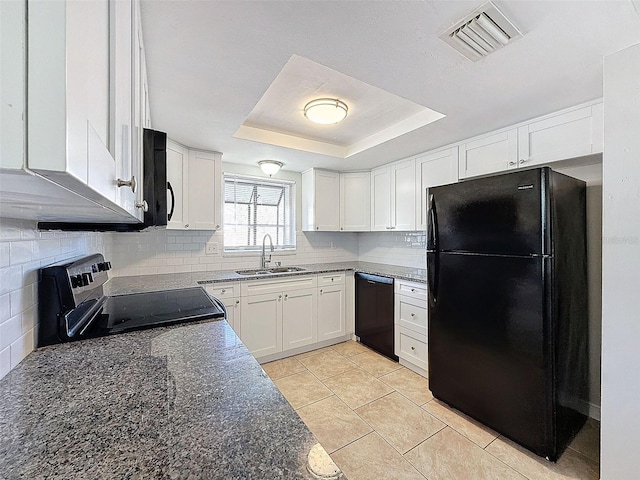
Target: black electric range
72	304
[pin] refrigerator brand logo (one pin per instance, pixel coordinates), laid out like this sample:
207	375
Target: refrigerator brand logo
525	187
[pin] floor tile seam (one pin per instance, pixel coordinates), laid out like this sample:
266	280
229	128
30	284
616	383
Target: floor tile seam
458	431
286	376
332	376
444	425
412	401
501	461
352	441
587	457
385	441
369	403
310	403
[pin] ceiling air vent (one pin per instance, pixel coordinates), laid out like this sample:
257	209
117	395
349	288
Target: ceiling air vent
481	32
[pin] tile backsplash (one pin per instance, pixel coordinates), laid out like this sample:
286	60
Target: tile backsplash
23	250
176	251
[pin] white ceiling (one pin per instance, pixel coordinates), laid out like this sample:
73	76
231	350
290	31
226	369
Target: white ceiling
210	62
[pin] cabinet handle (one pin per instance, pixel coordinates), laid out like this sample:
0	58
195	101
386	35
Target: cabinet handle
332	279
317	228
279	297
512	163
522	161
186	225
413	289
237	302
217	227
144	206
127	183
173	201
222	291
413	314
341	228
321	292
413	348
286	296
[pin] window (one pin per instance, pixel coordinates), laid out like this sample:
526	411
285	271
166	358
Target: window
254	207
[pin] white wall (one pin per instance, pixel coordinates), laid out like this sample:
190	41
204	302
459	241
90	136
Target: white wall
23	250
620	437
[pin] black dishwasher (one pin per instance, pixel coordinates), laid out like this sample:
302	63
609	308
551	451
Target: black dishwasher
374	313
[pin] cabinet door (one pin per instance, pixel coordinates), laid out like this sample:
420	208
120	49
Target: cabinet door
438	168
123	144
381	199
261	323
331	312
177	174
567	135
327	201
355	202
489	154
299	318
202	189
403	196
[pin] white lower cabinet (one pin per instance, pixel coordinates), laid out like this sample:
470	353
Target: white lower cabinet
261	324
291	314
299	318
331	306
410	325
278	315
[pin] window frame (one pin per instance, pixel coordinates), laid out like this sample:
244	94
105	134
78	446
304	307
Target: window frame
257	248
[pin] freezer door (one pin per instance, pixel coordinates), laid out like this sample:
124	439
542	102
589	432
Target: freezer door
504	214
489	348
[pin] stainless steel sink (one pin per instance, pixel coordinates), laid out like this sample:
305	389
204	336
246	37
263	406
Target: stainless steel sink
286	269
270	271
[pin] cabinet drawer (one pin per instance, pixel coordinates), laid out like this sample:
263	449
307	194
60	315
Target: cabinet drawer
223	290
411	289
295	282
332	278
411	314
410	348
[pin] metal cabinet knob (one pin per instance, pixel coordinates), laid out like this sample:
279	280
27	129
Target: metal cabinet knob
286	296
237	302
127	183
522	160
413	314
512	163
222	291
413	289
186	225
320	292
413	348
317	228
341	228
144	206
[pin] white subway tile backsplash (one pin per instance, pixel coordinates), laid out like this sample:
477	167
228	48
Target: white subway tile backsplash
5	307
5	361
22	347
10	331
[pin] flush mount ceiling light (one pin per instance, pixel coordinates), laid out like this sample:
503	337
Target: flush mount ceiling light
326	110
270	167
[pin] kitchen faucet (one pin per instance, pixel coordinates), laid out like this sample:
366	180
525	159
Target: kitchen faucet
264	261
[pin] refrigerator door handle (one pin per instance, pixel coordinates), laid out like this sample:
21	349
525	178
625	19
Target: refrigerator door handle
433	274
432	226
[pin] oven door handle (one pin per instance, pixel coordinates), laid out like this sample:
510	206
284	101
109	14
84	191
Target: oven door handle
84	322
220	305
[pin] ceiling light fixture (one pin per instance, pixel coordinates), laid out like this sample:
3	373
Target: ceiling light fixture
270	167
326	110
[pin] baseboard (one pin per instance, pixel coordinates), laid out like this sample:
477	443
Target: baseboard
307	348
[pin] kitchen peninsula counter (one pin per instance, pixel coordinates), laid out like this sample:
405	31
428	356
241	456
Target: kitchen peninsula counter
145	283
180	402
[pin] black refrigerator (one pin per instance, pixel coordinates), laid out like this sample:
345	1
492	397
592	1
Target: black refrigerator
507	301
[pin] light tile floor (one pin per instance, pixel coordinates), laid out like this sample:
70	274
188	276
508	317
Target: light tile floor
378	420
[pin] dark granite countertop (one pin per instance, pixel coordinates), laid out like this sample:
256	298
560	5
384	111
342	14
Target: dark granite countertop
181	402
142	283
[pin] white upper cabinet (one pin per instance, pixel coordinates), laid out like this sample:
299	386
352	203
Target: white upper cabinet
320	201
489	154
194	184
80	114
570	134
393	202
433	169
355	202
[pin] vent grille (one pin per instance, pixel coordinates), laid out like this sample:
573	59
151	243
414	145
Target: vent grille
482	32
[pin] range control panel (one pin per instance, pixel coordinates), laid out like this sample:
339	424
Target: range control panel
78	279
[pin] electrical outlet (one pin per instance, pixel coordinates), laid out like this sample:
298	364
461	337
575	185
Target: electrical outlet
211	248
